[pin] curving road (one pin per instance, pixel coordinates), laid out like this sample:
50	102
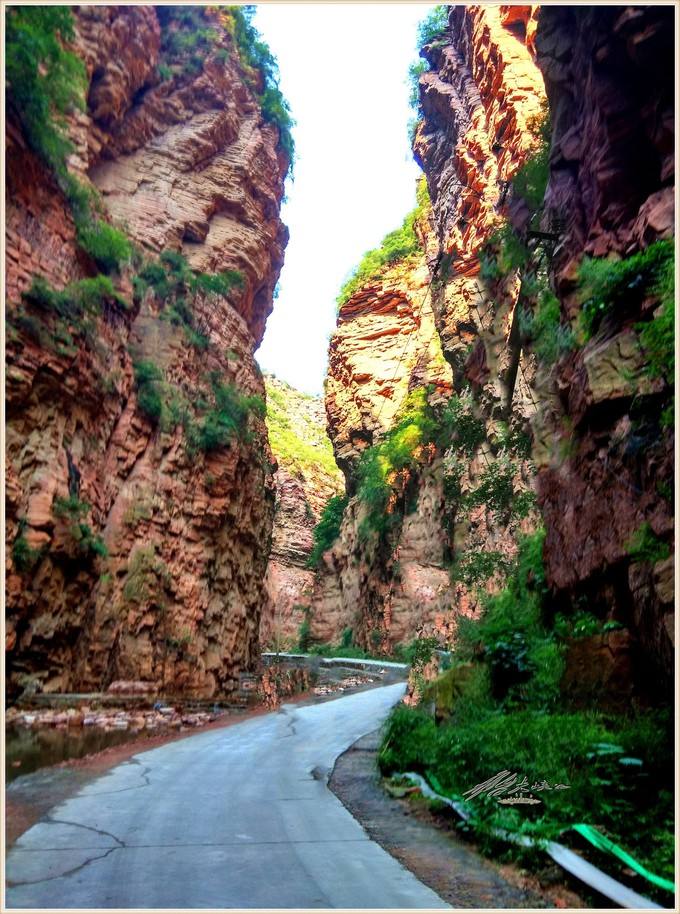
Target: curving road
239	817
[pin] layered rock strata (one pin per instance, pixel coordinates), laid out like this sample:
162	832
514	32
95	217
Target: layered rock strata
480	95
185	163
306	478
609	78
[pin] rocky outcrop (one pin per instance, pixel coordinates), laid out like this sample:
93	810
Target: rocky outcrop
384	346
132	555
482	91
306	477
608	74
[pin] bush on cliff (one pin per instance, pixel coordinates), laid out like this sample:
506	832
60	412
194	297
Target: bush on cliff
44	80
174	283
228	419
328	529
619	286
262	72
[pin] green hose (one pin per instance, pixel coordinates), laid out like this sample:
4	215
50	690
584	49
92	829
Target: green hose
598	840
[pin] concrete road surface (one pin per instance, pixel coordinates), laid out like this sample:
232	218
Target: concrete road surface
239	817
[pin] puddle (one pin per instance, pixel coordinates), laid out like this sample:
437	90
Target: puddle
36	749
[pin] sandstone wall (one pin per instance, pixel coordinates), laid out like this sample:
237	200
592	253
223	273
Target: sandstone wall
609	78
482	90
185	164
305	479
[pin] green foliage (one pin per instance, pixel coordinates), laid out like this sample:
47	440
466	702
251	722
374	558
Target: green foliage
502	254
24	557
328	529
592	754
145	572
531	180
304	635
431	27
475	568
582	625
44	80
550	338
657	336
107	246
459	427
415	71
73	510
263	74
645	546
496	492
186	37
85	297
347	639
608	286
395	247
298	441
174	282
395	457
228	419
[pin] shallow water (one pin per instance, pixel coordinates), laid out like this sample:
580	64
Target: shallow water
47	746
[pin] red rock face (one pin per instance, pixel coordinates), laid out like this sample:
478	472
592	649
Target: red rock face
187	165
609	78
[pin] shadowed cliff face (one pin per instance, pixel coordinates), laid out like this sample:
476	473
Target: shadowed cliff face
609	78
186	164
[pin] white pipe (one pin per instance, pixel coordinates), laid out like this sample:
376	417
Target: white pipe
567	859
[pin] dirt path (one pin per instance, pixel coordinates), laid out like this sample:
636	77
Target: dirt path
427	846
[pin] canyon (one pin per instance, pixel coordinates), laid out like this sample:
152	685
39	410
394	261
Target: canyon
147	544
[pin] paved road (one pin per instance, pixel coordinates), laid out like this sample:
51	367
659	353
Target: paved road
239	817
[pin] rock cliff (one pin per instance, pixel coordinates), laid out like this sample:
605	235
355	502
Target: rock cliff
481	91
306	477
139	491
608	74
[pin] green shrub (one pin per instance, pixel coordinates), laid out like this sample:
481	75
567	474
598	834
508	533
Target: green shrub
228	419
43	79
459	427
73	510
550	338
173	281
328	529
395	456
645	546
107	246
263	74
587	752
606	286
347	639
475	568
496	493
24	557
304	635
657	336
431	27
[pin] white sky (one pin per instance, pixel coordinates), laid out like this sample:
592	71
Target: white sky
344	72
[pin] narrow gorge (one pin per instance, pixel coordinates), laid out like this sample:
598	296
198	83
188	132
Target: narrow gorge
485	489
